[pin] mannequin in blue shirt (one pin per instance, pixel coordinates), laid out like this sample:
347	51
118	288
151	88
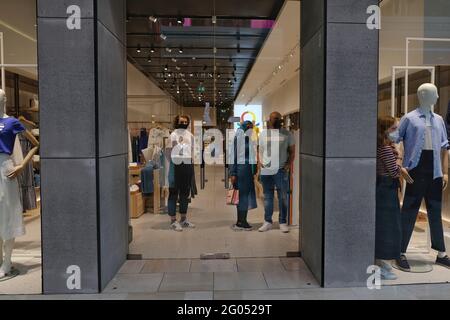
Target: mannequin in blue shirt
426	156
10	127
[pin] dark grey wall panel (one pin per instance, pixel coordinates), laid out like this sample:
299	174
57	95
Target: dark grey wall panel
349	221
112	14
111	94
352	90
69	224
113	215
348	11
312	18
66	89
312	212
58	8
312	92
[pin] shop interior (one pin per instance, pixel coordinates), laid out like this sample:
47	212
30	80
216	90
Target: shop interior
256	64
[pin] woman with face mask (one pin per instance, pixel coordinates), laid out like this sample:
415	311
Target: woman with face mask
388	217
242	172
180	173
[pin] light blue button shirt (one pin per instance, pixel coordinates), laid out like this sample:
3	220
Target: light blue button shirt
412	133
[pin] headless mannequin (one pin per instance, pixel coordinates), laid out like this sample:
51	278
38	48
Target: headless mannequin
428	96
6	247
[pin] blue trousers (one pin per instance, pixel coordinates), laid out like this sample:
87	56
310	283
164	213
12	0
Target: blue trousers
430	189
280	181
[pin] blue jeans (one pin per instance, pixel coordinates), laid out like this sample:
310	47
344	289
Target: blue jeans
281	181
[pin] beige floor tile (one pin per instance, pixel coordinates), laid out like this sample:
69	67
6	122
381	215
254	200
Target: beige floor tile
134	283
199	295
290	279
327	294
154	240
260	265
262	295
214	265
385	293
132	267
293	264
161	266
179	282
229	281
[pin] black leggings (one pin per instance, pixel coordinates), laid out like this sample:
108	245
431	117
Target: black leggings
180	192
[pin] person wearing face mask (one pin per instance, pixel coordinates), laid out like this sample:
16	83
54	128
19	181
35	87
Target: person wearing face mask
242	170
180	173
283	142
388	233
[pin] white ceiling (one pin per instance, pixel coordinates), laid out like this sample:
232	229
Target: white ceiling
283	38
17	22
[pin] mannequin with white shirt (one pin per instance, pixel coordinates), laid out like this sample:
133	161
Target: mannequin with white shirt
426	157
10	207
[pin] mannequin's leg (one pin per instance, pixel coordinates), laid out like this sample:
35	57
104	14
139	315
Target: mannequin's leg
8	247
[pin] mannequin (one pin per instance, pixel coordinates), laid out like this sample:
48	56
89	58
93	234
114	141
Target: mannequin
10	206
426	156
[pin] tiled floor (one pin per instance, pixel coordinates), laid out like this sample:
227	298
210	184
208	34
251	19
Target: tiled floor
27	259
213	219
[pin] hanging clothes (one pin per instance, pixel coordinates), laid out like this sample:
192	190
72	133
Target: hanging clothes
26	178
143	140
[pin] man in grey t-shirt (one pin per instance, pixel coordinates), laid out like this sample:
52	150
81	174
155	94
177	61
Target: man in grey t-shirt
275	168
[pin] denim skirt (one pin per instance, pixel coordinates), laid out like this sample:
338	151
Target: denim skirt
388	232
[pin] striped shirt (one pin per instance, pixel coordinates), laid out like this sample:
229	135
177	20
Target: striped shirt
387	162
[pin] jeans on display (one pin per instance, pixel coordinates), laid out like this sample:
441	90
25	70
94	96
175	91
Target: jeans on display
388	234
281	181
181	189
424	186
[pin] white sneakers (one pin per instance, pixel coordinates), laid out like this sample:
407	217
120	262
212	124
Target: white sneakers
269	226
284	228
266	227
176	226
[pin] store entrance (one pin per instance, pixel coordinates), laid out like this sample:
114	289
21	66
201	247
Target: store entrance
203	64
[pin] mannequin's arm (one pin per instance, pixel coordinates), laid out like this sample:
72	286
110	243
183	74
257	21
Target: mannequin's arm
17	170
25	120
445	156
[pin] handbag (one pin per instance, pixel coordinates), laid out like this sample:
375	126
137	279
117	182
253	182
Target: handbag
232	197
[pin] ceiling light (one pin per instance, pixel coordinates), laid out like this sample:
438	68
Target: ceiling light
166	67
280	67
149	60
174	60
214	19
163	36
169	50
165	79
191	75
153	19
180	20
218	75
193	58
180	50
138	50
152	49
